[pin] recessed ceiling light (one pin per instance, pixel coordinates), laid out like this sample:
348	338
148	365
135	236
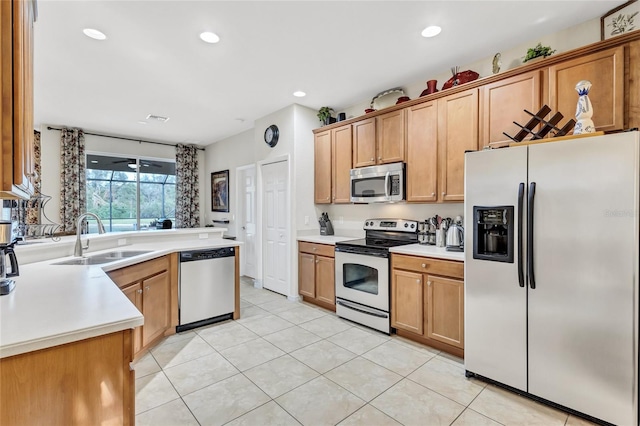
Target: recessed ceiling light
209	37
299	94
94	34
431	31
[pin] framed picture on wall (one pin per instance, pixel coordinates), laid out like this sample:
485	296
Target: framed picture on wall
621	20
220	191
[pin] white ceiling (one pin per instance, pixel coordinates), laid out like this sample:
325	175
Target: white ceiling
338	52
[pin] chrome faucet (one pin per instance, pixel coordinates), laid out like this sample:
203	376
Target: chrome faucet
78	250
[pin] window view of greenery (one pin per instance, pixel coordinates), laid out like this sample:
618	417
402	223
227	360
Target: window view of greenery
114	185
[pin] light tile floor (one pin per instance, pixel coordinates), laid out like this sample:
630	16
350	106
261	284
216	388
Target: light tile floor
289	363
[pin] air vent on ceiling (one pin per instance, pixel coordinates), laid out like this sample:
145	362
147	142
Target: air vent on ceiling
157	118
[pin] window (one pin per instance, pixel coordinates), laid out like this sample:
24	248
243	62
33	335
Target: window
129	194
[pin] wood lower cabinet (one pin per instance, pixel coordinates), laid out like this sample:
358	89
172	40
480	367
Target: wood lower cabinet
422	152
152	288
605	71
87	382
457	133
316	274
16	90
503	102
427	301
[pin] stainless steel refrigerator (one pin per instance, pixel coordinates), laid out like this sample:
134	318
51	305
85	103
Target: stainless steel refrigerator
551	272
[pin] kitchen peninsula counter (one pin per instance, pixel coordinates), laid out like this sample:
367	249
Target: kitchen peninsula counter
57	304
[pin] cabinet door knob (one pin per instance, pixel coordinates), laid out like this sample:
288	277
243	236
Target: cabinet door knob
418	281
327	198
371	159
424	265
317	261
315	248
379	158
428	283
139	291
146	288
444	193
433	194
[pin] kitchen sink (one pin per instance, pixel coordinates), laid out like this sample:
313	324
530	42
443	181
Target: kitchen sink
99	259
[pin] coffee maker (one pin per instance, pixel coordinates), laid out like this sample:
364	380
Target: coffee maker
7	241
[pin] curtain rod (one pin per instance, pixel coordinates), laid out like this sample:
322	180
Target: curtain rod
126	139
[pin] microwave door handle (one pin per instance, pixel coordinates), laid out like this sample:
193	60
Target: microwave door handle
387	191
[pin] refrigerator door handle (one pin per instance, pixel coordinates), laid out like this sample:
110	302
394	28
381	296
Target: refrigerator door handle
532	194
520	207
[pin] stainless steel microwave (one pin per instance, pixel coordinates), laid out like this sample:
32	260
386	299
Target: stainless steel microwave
378	184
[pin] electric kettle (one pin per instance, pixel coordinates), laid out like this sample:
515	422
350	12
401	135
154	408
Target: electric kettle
455	236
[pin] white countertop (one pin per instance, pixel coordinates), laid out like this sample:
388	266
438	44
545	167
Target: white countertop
324	239
428	251
57	304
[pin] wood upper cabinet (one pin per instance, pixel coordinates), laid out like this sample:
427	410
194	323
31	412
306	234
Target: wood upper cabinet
322	169
633	114
427	301
457	133
605	71
422	152
503	102
341	149
156	306
364	143
390	131
445	310
316	274
407	307
379	140
16	89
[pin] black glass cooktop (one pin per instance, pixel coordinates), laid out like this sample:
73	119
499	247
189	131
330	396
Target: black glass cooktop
374	243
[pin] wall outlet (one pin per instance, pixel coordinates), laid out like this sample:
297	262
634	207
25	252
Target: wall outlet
306	220
122	241
203	235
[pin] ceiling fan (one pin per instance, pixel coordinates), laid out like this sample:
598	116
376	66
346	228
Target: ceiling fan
131	163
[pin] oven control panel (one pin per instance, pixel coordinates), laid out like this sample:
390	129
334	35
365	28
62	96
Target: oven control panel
398	225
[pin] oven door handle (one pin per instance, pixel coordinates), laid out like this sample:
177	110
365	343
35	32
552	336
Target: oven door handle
387	190
359	309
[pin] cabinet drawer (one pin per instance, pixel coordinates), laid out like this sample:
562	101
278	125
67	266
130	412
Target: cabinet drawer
445	268
131	274
320	249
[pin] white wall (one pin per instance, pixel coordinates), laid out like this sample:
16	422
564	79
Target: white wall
50	145
579	35
229	153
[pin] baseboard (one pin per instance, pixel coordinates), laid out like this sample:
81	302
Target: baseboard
294	298
257	283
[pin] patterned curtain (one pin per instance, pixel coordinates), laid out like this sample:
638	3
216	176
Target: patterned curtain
72	178
187	192
32	207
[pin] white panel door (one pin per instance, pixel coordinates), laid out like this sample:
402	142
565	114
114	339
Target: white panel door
583	310
247	220
276	253
495	337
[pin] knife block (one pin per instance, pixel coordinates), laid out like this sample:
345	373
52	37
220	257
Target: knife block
326	228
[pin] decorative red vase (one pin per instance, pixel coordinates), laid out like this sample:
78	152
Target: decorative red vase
431	88
402	99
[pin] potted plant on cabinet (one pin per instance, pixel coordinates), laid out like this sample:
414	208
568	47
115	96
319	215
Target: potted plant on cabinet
324	115
539	51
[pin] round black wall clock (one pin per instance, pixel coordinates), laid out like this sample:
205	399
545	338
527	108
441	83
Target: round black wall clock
271	135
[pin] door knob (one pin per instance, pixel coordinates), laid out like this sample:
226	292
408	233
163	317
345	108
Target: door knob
428	283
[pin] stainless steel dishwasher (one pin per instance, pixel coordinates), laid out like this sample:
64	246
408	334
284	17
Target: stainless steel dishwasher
207	287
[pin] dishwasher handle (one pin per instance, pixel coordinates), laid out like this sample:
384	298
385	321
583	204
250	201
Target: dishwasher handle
206	254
